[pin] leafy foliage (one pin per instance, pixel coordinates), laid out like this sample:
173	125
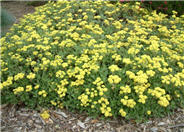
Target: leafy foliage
166	6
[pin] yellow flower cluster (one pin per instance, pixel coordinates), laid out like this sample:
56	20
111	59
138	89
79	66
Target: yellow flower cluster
19	76
177	94
18	90
100	87
45	114
31	76
133	51
77	73
8	82
28	88
122	112
105	109
114	68
84	100
141	78
127	61
116	57
128	102
125	89
150	73
53	102
164	101
149	112
177	79
61	88
142	99
60	74
117	24
141	88
161	95
43	93
37	86
114	79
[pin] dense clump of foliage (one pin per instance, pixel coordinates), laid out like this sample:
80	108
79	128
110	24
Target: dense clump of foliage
160	6
165	6
94	56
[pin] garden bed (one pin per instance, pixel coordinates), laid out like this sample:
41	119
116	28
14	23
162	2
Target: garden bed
103	72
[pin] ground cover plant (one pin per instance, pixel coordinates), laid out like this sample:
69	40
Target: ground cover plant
105	59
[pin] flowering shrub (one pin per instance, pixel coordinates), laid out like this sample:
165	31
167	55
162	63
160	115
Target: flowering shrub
160	6
165	6
105	59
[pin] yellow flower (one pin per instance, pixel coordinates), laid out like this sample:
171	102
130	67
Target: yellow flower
18	90
37	86
31	76
142	98
117	24
43	93
60	105
64	65
106	22
122	112
45	115
107	114
53	103
114	79
84	100
60	74
28	88
19	76
36	69
114	68
150	73
149	112
128	102
33	63
92	106
125	89
35	52
127	61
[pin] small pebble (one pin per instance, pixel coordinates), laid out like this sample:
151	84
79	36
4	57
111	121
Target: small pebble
30	122
154	129
37	121
57	126
149	122
181	130
37	126
18	129
98	124
81	124
87	119
161	123
61	113
23	114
